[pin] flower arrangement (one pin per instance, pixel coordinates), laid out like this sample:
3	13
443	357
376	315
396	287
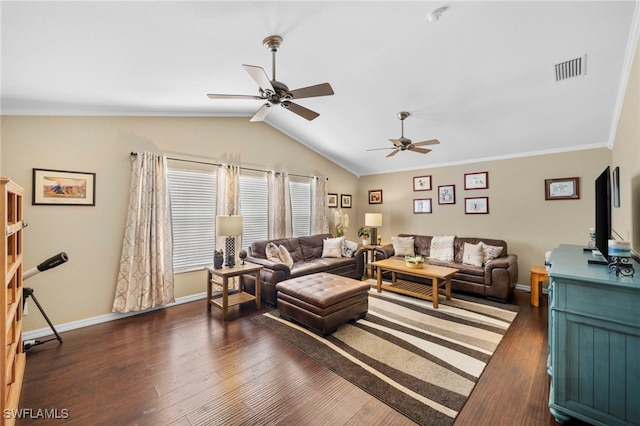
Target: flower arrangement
364	232
341	222
414	261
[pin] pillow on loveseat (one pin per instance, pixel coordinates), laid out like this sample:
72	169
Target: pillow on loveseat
403	246
348	248
473	254
490	252
285	256
271	251
332	247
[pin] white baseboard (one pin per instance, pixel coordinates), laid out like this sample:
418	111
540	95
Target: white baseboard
41	332
528	288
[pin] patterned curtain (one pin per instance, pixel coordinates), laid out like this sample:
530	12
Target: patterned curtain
145	278
280	223
319	218
228	202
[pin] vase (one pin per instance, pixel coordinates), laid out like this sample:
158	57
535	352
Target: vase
365	242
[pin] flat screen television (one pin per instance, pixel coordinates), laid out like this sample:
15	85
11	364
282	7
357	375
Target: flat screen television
603	213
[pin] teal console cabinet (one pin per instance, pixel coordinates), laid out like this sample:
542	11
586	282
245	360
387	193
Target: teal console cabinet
594	340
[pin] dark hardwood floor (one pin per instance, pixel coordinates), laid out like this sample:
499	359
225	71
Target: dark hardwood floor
184	366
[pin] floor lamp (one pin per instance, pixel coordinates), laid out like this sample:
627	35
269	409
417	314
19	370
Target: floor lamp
373	220
229	226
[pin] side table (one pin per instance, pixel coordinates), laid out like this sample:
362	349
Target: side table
538	274
225	300
369	258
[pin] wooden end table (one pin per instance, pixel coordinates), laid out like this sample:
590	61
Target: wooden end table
422	291
224	300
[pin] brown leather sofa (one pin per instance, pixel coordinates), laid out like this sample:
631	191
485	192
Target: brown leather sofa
494	280
306	253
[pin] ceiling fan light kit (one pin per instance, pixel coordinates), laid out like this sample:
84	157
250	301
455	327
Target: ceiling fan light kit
404	144
275	92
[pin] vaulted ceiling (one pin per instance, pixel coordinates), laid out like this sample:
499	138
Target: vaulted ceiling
481	79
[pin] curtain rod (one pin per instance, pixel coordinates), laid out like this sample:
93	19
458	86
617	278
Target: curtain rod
134	154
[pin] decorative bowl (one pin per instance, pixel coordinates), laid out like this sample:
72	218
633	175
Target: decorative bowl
414	265
415	262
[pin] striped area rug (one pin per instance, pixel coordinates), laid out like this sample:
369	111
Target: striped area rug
421	361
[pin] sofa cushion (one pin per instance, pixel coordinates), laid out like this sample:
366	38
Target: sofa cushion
442	248
490	252
311	246
332	247
271	252
403	246
473	254
349	248
285	256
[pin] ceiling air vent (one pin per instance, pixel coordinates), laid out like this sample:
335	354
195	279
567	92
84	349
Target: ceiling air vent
572	68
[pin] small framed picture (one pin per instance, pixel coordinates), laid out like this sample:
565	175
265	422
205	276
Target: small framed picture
422	183
476	180
422	205
478	205
332	200
63	188
345	201
562	189
447	194
375	196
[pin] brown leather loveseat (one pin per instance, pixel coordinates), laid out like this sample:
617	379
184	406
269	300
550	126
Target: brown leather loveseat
306	253
495	279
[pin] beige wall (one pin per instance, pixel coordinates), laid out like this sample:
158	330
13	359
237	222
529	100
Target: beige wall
518	212
92	236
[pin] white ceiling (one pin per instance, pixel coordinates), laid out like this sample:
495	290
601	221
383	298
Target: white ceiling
480	79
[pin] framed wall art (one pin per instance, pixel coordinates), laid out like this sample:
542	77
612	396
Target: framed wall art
422	205
375	196
63	188
332	200
422	183
616	187
447	194
562	189
345	201
478	205
476	180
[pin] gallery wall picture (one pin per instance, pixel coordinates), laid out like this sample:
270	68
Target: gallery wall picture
447	194
375	196
422	205
476	180
345	201
332	200
422	183
562	189
477	205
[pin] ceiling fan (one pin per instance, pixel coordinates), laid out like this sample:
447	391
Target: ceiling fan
275	92
403	144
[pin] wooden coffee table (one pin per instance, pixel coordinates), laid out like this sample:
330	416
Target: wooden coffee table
423	291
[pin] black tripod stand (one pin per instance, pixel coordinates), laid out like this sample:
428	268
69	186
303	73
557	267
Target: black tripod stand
27	292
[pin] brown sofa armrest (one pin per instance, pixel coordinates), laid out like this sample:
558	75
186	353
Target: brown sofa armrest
275	266
383	252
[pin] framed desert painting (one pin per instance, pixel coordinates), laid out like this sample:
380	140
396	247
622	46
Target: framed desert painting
63	188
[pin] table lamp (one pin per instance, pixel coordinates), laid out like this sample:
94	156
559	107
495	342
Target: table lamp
373	220
229	226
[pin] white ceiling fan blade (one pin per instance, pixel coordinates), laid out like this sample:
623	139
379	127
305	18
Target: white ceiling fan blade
260	77
429	142
219	96
261	114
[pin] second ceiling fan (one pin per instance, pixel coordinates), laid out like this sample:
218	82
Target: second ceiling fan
404	144
275	92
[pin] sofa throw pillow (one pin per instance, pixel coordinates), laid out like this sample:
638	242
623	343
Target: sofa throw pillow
403	246
490	252
332	247
284	256
442	248
349	248
271	251
473	254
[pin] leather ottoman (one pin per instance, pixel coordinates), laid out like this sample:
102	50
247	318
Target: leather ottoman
322	301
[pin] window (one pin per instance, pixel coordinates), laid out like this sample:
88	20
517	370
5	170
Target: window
193	212
300	192
254	207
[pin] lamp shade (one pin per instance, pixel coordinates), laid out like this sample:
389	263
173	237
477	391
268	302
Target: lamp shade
229	226
373	219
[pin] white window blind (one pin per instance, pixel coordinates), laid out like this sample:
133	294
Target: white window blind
193	213
300	193
254	207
